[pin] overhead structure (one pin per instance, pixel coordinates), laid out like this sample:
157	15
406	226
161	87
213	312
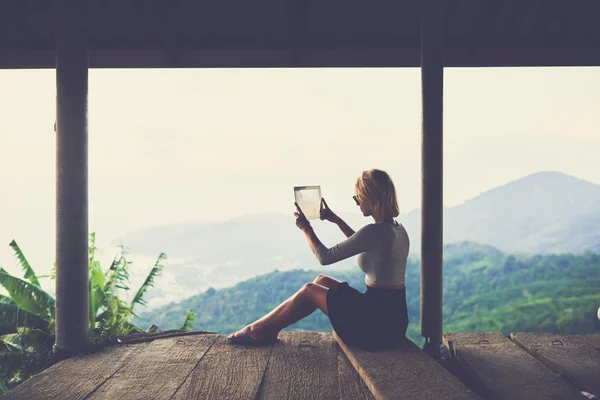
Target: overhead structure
291	33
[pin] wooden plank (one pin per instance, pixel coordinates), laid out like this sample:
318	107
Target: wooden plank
572	356
75	377
352	387
157	371
405	373
302	366
552	339
507	371
227	372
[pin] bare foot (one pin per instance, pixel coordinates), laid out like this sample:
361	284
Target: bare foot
254	333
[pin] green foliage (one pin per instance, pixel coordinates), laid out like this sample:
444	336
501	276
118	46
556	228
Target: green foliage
28	296
27	317
149	282
12	318
484	289
29	273
188	325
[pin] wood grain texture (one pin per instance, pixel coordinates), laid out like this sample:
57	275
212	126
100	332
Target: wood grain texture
227	372
405	373
302	366
551	339
157	371
574	357
472	338
506	370
352	387
75	377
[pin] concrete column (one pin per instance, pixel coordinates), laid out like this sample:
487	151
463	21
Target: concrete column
432	80
72	299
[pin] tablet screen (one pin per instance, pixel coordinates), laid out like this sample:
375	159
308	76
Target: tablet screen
309	200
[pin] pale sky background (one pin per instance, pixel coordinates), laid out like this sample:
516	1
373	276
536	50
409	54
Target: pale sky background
173	145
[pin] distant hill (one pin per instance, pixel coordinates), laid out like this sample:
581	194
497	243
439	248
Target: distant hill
484	289
547	212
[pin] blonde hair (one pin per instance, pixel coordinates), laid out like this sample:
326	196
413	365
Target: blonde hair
376	189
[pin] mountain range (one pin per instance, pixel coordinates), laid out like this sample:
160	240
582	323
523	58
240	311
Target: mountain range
546	212
484	289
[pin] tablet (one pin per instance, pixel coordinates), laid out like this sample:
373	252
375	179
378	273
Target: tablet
309	200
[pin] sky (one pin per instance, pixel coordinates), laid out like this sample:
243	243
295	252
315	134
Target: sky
174	145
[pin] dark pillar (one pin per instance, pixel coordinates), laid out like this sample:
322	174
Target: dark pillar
432	80
71	184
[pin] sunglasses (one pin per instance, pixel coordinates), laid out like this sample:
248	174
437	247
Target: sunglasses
356	200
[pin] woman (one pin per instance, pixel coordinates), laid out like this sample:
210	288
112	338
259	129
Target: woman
373	320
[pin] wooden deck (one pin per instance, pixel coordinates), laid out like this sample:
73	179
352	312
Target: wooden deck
317	365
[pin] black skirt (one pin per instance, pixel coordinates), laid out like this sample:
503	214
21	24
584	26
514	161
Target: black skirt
374	320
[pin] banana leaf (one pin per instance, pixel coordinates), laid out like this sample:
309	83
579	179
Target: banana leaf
11	343
6	300
96	290
114	318
92	245
149	282
188	325
35	341
28	296
29	272
131	328
15	317
117	275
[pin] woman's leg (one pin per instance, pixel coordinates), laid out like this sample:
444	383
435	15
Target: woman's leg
303	303
326	281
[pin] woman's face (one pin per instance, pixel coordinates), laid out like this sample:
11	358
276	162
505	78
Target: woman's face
364	207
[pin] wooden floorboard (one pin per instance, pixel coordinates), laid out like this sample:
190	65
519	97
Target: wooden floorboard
352	386
157	371
76	377
507	371
553	339
573	356
303	365
309	365
227	371
405	373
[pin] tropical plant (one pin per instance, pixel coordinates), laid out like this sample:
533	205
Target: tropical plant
27	314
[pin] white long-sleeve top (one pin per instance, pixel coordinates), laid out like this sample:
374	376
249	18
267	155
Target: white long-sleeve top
382	248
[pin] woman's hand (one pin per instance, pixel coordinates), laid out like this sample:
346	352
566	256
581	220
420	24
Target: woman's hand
301	221
326	213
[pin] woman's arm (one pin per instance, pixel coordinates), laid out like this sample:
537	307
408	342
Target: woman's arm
344	227
313	240
303	224
363	240
328	215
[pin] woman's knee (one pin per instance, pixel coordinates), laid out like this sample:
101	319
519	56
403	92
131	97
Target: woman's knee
326	281
307	287
307	290
315	294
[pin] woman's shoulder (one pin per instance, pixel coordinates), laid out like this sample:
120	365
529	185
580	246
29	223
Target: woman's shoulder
369	227
375	228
